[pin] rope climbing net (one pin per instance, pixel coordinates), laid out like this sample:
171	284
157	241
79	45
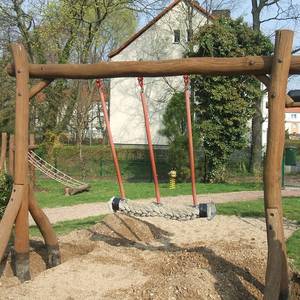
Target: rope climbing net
52	172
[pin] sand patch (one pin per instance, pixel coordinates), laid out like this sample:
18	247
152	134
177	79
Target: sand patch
153	258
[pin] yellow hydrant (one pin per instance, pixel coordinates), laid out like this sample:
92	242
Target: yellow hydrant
172	176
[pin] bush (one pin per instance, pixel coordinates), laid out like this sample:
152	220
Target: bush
6	184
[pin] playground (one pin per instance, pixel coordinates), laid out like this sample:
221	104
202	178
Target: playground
152	258
177	252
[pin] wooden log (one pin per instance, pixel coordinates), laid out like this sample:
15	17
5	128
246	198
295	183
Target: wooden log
11	155
39	87
70	191
3	151
9	217
273	272
251	65
44	225
267	82
21	161
273	161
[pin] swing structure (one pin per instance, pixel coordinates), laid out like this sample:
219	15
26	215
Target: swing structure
203	210
273	70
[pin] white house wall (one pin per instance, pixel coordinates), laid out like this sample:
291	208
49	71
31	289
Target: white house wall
126	115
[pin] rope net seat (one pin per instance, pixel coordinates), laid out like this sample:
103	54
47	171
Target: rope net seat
72	185
202	210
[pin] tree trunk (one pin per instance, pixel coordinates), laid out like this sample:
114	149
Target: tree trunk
257	120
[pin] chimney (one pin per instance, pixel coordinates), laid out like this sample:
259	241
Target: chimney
219	13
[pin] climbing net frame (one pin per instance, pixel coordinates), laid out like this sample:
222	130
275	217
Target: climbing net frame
273	71
52	172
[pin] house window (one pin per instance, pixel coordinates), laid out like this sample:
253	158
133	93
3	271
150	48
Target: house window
189	35
177	36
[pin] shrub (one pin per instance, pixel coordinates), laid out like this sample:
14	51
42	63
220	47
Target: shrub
6	184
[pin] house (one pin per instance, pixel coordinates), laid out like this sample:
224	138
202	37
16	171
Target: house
165	37
292	121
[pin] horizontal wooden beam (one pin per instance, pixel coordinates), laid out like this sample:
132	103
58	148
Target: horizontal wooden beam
252	65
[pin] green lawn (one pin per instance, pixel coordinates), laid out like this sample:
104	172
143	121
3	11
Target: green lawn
65	227
291	210
50	193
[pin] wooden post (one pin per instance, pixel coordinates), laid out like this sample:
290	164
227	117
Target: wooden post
44	225
3	152
8	219
272	170
11	157
21	161
42	221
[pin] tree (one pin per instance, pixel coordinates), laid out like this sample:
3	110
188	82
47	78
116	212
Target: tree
64	31
284	11
224	105
7	105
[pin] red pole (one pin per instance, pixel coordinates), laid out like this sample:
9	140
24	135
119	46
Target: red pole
190	136
101	87
149	139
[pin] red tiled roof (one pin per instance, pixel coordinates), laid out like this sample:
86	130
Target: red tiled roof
292	110
158	17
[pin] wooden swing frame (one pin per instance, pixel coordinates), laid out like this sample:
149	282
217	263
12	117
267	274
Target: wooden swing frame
278	67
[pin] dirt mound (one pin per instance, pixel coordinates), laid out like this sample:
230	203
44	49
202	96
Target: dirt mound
38	257
119	229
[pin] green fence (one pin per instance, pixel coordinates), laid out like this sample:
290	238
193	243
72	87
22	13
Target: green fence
96	161
291	169
134	169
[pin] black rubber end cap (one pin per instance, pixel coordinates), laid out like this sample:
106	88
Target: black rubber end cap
207	210
115	204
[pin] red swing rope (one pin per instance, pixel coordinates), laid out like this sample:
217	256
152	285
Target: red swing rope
149	139
101	88
187	94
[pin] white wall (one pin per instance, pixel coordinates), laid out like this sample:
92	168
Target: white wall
126	115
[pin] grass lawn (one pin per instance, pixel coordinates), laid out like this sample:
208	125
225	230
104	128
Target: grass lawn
65	227
50	193
291	210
